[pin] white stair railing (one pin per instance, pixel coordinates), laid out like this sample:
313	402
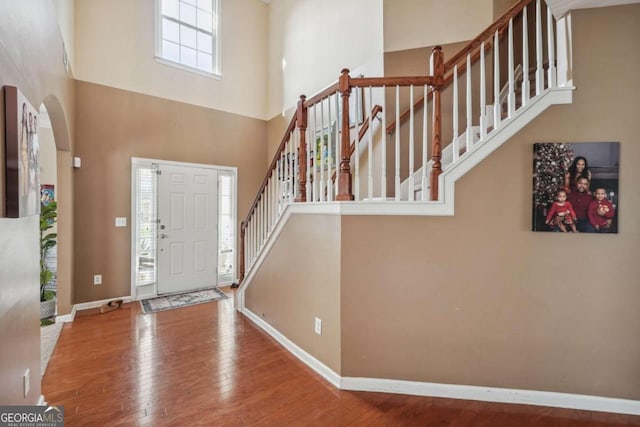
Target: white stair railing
390	153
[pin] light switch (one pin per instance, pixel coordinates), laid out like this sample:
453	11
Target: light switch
121	221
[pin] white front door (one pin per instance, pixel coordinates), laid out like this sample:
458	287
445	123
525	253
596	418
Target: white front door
187	228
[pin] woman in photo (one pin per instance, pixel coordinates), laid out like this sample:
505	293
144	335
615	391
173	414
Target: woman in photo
579	169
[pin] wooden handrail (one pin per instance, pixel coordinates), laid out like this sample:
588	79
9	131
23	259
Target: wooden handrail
447	80
365	125
498	25
324	93
272	167
363	130
442	75
392	81
436	129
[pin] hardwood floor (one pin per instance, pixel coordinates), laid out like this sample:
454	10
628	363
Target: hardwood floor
209	365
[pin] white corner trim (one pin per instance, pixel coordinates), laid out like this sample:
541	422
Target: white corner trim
494	394
316	365
67	318
41	401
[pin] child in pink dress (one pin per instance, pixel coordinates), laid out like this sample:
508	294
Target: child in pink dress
561	213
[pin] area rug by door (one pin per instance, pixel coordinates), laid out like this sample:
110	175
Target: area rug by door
169	302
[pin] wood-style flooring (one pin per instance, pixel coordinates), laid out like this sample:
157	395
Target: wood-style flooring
209	365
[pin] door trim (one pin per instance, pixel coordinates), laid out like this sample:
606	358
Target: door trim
151	290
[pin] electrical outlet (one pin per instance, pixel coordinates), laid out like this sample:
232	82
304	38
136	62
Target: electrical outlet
318	326
97	279
25	382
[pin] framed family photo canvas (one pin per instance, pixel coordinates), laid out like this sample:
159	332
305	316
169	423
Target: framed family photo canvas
575	187
22	171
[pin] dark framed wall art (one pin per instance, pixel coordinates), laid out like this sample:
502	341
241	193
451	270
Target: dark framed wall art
22	170
575	187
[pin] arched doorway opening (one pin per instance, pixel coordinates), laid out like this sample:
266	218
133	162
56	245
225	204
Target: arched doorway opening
48	174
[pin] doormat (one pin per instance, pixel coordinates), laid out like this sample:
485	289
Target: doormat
169	302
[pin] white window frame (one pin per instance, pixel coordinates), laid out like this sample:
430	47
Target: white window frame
146	290
217	66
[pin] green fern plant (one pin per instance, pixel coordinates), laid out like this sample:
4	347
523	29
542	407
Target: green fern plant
48	215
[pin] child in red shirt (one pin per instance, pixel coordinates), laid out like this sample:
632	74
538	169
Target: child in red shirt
601	211
561	213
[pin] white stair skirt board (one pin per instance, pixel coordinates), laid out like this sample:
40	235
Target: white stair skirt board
443	207
451	391
480	149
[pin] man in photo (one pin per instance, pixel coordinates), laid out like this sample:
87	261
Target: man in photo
580	200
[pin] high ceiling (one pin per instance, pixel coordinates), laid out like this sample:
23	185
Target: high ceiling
560	7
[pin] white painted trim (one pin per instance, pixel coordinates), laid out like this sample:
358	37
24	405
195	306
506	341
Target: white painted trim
41	401
96	304
316	365
444	207
143	161
508	128
216	73
450	391
494	394
67	318
137	162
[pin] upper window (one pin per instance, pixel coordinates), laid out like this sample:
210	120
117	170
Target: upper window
187	34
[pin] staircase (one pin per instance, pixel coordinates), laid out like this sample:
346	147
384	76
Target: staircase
374	145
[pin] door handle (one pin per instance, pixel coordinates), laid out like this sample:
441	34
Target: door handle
163	236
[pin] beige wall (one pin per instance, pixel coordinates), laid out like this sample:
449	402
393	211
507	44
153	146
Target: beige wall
275	132
125	58
65	12
501	6
477	298
48	168
289	298
410	24
317	40
31	59
114	125
48	160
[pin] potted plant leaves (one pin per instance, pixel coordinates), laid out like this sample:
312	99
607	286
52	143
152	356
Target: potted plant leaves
48	215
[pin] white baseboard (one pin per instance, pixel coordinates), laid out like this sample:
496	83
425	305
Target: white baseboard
41	401
96	304
66	318
493	394
319	367
451	391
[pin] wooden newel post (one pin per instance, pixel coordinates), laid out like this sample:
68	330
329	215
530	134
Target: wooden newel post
242	232
344	180
437	71
301	120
